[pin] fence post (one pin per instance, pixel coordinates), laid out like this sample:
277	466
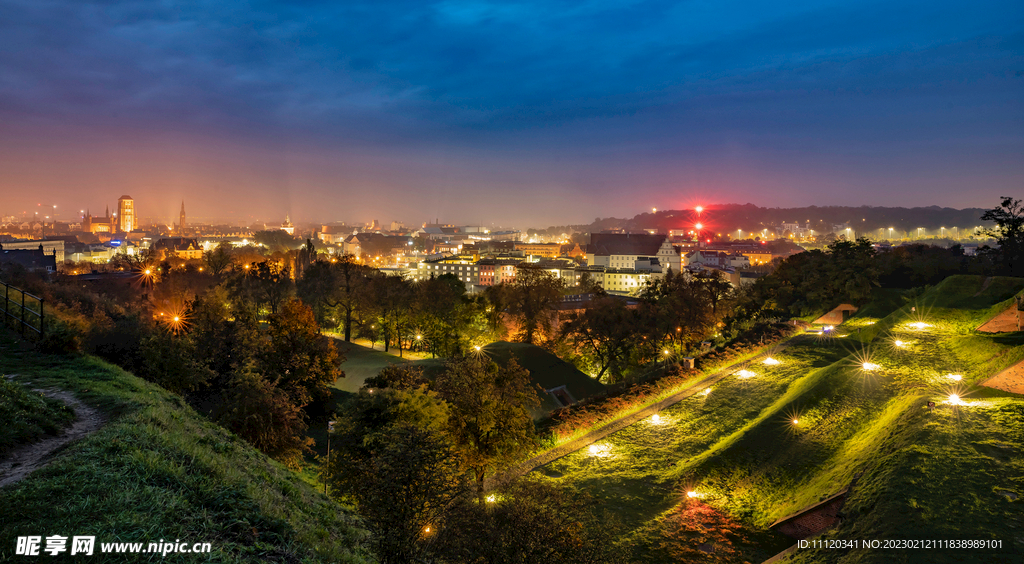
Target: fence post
42	319
23	314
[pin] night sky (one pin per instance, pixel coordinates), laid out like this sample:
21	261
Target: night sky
534	113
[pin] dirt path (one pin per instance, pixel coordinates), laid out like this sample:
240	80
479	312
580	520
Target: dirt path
23	460
617	425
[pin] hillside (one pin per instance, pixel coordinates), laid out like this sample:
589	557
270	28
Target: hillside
157	470
771	442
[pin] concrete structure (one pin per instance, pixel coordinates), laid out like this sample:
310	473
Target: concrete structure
839	314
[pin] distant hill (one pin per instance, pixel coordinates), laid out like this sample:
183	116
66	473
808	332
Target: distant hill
724	218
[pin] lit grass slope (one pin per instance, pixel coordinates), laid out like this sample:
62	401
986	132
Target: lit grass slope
157	470
741	451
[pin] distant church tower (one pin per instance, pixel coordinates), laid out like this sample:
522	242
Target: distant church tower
126	214
181	219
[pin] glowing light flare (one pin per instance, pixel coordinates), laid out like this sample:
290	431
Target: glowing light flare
599	450
899	343
796	421
656	419
492	499
706	391
770	361
954	399
699	226
955	377
699	209
745	374
919	325
869	366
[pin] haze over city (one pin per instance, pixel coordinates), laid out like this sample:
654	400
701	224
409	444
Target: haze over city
534	113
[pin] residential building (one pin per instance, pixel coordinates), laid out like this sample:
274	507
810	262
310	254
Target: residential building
53	247
36	260
181	247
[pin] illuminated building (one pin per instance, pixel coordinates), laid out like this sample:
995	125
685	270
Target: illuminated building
126	214
106	224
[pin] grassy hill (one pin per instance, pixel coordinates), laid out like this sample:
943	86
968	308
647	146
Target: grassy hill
157	470
546	369
954	473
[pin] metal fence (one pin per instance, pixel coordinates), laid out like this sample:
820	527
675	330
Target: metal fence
23	310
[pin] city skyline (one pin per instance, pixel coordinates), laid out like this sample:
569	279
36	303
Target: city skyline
529	113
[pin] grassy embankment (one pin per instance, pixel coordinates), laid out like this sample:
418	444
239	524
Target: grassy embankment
953	473
158	470
28	416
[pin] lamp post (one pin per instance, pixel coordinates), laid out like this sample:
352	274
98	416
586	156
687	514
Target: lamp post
327	470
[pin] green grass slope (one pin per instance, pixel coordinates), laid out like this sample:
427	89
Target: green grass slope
28	416
546	370
157	470
744	456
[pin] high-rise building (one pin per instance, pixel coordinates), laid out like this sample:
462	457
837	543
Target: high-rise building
126	214
181	218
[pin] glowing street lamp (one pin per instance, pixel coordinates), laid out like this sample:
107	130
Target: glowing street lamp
699	209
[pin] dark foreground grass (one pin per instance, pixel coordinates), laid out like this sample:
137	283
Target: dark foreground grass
28	416
157	470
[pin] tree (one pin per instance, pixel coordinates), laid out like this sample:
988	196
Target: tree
301	361
393	459
530	522
387	302
276	240
218	259
318	288
258	285
443	312
351	280
137	262
265	416
398	377
1009	233
605	334
490	420
530	297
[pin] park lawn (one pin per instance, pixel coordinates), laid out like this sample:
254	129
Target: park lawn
361	363
158	470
